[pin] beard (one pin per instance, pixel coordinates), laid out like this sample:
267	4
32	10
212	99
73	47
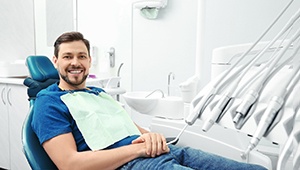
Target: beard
73	83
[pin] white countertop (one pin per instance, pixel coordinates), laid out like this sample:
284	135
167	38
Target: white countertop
17	81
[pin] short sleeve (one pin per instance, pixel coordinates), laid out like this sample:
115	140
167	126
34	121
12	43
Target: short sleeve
50	118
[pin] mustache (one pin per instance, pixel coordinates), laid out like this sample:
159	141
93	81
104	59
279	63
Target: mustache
75	67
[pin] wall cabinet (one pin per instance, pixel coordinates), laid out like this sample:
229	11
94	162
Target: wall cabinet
4	130
14	107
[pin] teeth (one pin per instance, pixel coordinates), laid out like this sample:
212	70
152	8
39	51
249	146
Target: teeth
75	71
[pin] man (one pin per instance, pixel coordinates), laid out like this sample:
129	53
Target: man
64	112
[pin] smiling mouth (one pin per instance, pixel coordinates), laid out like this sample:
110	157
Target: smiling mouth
75	71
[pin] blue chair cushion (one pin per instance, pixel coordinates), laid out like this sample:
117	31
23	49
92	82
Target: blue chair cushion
42	74
36	156
41	68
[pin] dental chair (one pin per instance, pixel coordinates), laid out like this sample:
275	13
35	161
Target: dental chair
42	74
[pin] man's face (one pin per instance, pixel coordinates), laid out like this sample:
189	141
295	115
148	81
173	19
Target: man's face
73	63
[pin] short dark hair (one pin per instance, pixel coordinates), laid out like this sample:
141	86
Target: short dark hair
69	37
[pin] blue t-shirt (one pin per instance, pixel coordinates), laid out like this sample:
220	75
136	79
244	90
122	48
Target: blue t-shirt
52	117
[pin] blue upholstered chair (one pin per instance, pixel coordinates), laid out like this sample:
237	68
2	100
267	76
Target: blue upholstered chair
42	74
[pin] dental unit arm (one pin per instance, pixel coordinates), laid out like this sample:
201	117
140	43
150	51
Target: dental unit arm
203	99
232	93
296	143
200	113
277	100
220	100
291	146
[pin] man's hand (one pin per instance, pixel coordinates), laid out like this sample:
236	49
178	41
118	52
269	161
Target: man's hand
155	144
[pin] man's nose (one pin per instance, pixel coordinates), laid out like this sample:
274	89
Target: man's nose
75	61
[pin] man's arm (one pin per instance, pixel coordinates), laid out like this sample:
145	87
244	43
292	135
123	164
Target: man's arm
63	152
156	143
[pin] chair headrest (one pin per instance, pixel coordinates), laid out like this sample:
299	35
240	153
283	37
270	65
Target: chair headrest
41	68
42	74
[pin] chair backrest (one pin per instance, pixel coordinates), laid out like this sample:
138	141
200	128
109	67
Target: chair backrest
42	74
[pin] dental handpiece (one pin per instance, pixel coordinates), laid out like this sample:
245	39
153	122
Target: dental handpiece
216	112
221	105
242	109
196	111
267	118
249	98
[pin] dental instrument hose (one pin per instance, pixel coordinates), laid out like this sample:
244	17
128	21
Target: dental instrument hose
273	108
178	136
286	152
227	96
253	94
194	114
263	77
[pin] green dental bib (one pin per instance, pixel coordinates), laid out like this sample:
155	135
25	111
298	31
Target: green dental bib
100	119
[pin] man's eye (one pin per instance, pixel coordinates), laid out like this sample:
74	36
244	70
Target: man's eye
67	57
83	57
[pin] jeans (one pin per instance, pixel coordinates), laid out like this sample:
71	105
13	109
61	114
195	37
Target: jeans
186	158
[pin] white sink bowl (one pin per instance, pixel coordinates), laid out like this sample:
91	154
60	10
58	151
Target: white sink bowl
139	101
170	107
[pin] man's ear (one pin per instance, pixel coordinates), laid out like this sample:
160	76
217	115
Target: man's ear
54	60
90	61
